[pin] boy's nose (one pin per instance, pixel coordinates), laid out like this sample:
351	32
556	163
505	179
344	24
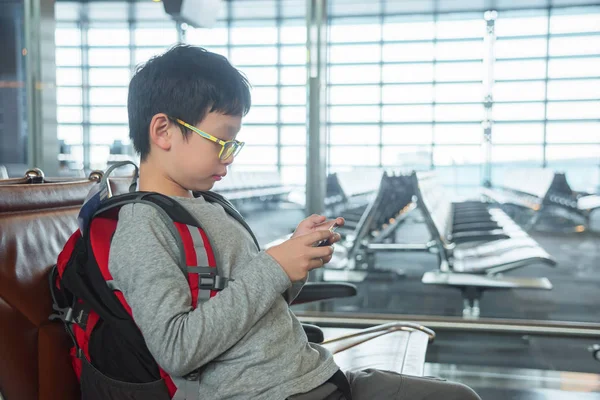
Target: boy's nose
229	160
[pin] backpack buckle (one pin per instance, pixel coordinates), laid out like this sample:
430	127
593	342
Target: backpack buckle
77	314
65	314
208	278
214	282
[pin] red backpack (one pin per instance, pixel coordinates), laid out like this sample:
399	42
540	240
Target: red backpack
109	354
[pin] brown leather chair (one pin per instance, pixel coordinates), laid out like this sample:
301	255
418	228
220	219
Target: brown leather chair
35	222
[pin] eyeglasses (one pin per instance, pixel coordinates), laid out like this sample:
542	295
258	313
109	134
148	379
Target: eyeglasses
228	148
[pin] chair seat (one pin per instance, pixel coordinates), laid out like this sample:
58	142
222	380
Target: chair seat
494	247
590	202
506	197
484	281
509	258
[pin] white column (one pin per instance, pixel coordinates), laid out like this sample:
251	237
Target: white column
316	42
488	100
41	86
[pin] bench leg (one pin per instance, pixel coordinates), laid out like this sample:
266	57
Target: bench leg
595	350
471	309
471	297
530	225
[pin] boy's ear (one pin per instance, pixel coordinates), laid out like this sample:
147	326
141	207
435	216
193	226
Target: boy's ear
160	134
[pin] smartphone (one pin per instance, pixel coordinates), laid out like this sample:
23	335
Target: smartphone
324	242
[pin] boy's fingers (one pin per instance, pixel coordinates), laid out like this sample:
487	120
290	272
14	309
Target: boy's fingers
339	221
325	224
336	237
326	259
319	252
315	237
316	263
316	219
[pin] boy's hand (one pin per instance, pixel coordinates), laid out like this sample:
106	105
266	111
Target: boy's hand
297	256
318	223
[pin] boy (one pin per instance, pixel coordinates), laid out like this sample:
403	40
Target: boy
244	342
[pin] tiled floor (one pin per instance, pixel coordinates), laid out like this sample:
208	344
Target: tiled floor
533	394
521	384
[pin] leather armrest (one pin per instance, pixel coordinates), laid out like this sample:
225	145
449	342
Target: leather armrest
316	291
313	333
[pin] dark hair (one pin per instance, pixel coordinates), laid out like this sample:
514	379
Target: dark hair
185	82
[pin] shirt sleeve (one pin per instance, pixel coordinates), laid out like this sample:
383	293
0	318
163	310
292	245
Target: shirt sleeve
291	294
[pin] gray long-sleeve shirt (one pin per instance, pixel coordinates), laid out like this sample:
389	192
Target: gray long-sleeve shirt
247	341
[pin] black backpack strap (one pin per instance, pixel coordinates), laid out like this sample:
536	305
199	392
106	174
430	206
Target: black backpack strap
340	380
229	209
61	304
174	210
171	207
171	210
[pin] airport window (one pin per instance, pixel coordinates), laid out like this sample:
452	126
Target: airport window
69	96
389	74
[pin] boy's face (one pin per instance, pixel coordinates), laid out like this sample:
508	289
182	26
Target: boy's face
193	162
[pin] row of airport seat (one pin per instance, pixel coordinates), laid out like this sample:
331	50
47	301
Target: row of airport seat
541	191
350	189
360	181
562	195
475	222
476	244
244	186
334	194
493	244
379	220
37	217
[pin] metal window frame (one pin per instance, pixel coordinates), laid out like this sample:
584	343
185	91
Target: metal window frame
280	20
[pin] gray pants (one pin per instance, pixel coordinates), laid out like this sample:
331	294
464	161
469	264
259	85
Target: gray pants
373	384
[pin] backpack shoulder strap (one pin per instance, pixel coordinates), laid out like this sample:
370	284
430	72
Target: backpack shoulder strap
229	209
196	255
